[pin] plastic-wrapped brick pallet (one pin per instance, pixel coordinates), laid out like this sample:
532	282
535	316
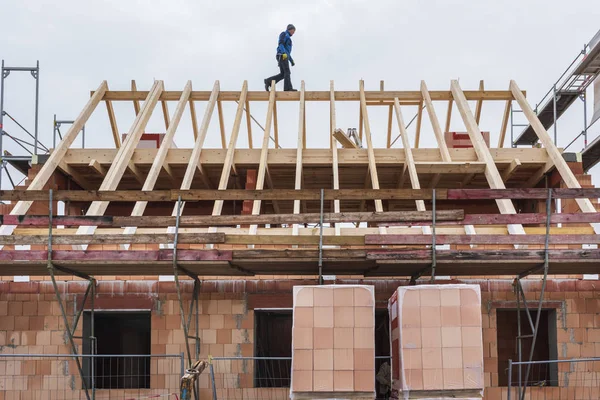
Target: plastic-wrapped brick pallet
333	342
436	342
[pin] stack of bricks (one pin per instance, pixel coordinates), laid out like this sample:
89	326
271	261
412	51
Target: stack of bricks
437	341
462	140
333	342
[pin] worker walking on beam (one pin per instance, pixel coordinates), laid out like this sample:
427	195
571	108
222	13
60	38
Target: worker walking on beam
284	58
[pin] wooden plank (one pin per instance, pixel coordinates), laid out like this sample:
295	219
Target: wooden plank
299	149
372	163
445	154
389	132
410	162
161	155
249	124
275	126
165	110
262	166
59	152
480	239
194	119
448	116
113	124
379	96
539	175
233	220
115	173
97	167
505	118
294	240
529	193
512	168
221	124
479	104
136	101
483	154
183	238
419	122
75	176
585	205
137	174
334	150
228	163
344	140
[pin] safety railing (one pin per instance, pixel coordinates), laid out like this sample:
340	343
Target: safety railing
554	379
57	376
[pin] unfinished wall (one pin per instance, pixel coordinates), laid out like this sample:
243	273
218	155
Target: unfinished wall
30	322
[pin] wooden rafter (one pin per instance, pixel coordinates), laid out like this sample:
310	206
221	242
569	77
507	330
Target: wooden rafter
372	162
136	102
249	124
449	115
221	124
512	168
113	123
275	126
165	110
334	151
479	104
299	149
483	154
228	163
264	152
194	119
585	205
505	118
419	122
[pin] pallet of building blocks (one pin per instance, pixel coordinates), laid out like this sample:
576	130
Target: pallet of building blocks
333	342
436	341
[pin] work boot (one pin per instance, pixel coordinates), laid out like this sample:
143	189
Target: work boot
267	86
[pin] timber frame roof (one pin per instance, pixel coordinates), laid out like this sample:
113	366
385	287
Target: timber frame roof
185	198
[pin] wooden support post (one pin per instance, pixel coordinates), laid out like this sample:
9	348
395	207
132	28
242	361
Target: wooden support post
262	166
449	116
418	128
505	119
228	163
299	148
97	167
136	103
371	154
334	151
58	154
194	119
113	123
249	124
166	116
409	162
479	104
585	205
275	126
221	124
483	154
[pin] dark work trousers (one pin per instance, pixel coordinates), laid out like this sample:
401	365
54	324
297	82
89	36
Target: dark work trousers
284	73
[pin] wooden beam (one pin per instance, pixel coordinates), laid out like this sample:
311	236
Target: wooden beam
58	239
372	163
512	168
137	174
221	124
58	153
136	103
539	175
159	161
194	162
505	119
299	149
454	216
194	119
344	140
439	135
389	133
467	180
75	176
123	158
262	166
481	239
228	163
448	115
97	167
585	205
483	154
479	104
271	185
334	150
249	124
410	162
371	96
418	128
275	126
113	124
165	110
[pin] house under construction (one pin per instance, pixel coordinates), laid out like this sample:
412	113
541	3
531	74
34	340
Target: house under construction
239	227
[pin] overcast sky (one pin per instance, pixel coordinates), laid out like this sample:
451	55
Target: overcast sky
80	43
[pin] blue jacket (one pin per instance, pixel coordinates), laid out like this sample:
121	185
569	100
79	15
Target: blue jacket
285	44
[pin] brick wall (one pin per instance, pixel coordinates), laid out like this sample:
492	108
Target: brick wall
30	322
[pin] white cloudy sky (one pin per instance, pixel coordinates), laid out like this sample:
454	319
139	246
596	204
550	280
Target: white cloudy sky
80	43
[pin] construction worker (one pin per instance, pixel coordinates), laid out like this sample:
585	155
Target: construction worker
284	58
